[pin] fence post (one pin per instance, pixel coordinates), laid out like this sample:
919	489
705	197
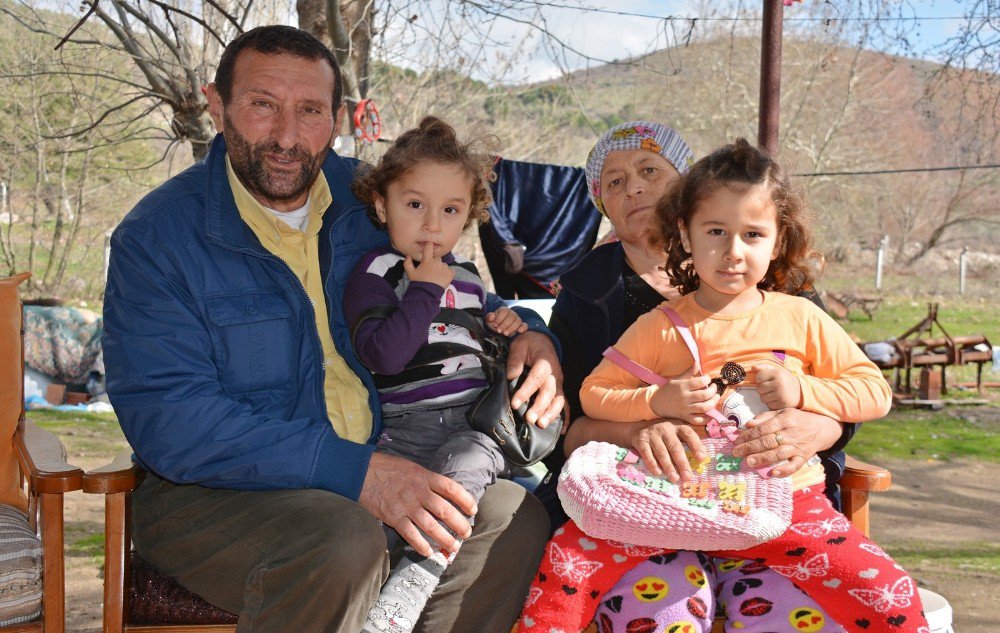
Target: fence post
961	270
107	252
880	260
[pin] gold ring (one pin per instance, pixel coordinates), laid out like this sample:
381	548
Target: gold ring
778	438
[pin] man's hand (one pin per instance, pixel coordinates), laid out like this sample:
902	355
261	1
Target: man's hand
430	269
505	321
686	397
544	380
777	387
412	499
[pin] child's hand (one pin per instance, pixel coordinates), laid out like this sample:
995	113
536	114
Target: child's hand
430	269
777	387
505	321
661	448
686	397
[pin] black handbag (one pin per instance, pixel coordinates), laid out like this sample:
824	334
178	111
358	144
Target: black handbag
521	442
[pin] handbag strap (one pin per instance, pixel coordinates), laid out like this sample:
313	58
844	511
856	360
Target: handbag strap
715	426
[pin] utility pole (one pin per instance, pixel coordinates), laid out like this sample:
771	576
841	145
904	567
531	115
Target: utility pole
770	76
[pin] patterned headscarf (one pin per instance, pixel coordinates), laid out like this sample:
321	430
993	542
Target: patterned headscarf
636	135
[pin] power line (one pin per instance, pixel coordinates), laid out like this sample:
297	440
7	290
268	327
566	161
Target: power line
896	171
915	18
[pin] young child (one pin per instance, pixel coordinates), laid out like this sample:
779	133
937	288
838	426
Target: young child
427	189
737	240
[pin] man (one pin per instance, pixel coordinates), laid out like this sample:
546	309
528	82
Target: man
231	370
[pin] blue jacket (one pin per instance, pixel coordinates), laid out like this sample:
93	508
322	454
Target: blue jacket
215	366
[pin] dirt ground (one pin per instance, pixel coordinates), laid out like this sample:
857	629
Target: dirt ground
931	504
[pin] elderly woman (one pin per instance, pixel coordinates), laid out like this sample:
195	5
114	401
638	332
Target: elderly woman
629	169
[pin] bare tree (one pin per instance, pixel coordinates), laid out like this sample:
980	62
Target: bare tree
67	176
172	47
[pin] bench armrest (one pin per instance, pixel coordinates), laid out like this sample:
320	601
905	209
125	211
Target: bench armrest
861	476
43	459
119	476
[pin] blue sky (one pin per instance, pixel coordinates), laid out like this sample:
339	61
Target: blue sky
606	36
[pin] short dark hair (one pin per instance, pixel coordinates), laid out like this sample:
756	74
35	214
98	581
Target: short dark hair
276	39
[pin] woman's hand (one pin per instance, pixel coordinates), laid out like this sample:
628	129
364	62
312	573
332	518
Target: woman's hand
788	435
686	397
661	448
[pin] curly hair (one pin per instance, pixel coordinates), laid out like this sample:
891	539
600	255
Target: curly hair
433	141
739	167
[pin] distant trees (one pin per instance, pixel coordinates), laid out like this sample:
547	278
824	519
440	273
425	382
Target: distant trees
125	89
63	156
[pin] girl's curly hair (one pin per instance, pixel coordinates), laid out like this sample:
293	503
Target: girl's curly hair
739	167
432	141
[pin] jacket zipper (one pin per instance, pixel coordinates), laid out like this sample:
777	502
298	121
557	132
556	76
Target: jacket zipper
361	372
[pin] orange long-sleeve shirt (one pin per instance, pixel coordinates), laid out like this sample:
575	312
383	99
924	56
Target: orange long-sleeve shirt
837	379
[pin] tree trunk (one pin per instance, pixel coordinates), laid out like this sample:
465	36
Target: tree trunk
312	18
360	20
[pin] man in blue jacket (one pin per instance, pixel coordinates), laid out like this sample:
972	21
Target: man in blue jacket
230	368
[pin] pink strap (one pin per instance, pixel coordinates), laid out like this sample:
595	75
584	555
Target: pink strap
718	425
634	368
715	427
685	333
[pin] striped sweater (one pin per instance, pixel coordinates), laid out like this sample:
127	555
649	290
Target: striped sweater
385	346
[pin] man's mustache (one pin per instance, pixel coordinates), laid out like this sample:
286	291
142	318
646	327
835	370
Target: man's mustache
293	153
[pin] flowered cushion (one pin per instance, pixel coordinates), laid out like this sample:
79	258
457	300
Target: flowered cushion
20	568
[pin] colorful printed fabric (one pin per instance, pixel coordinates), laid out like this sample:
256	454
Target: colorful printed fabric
856	583
655	137
63	343
674	593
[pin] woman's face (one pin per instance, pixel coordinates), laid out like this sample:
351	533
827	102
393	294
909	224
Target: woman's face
632	181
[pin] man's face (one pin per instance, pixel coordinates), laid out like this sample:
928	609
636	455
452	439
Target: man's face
278	125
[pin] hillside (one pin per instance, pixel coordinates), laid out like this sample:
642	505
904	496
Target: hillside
842	109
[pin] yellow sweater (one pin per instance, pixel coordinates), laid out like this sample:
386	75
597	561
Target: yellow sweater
837	379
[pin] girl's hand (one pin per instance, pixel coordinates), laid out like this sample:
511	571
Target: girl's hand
505	321
686	397
777	387
661	448
430	269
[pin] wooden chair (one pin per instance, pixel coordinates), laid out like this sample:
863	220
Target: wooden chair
137	597
34	474
46	476
122	593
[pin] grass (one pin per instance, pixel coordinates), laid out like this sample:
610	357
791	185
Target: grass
91	546
896	315
921	434
91	439
971	556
